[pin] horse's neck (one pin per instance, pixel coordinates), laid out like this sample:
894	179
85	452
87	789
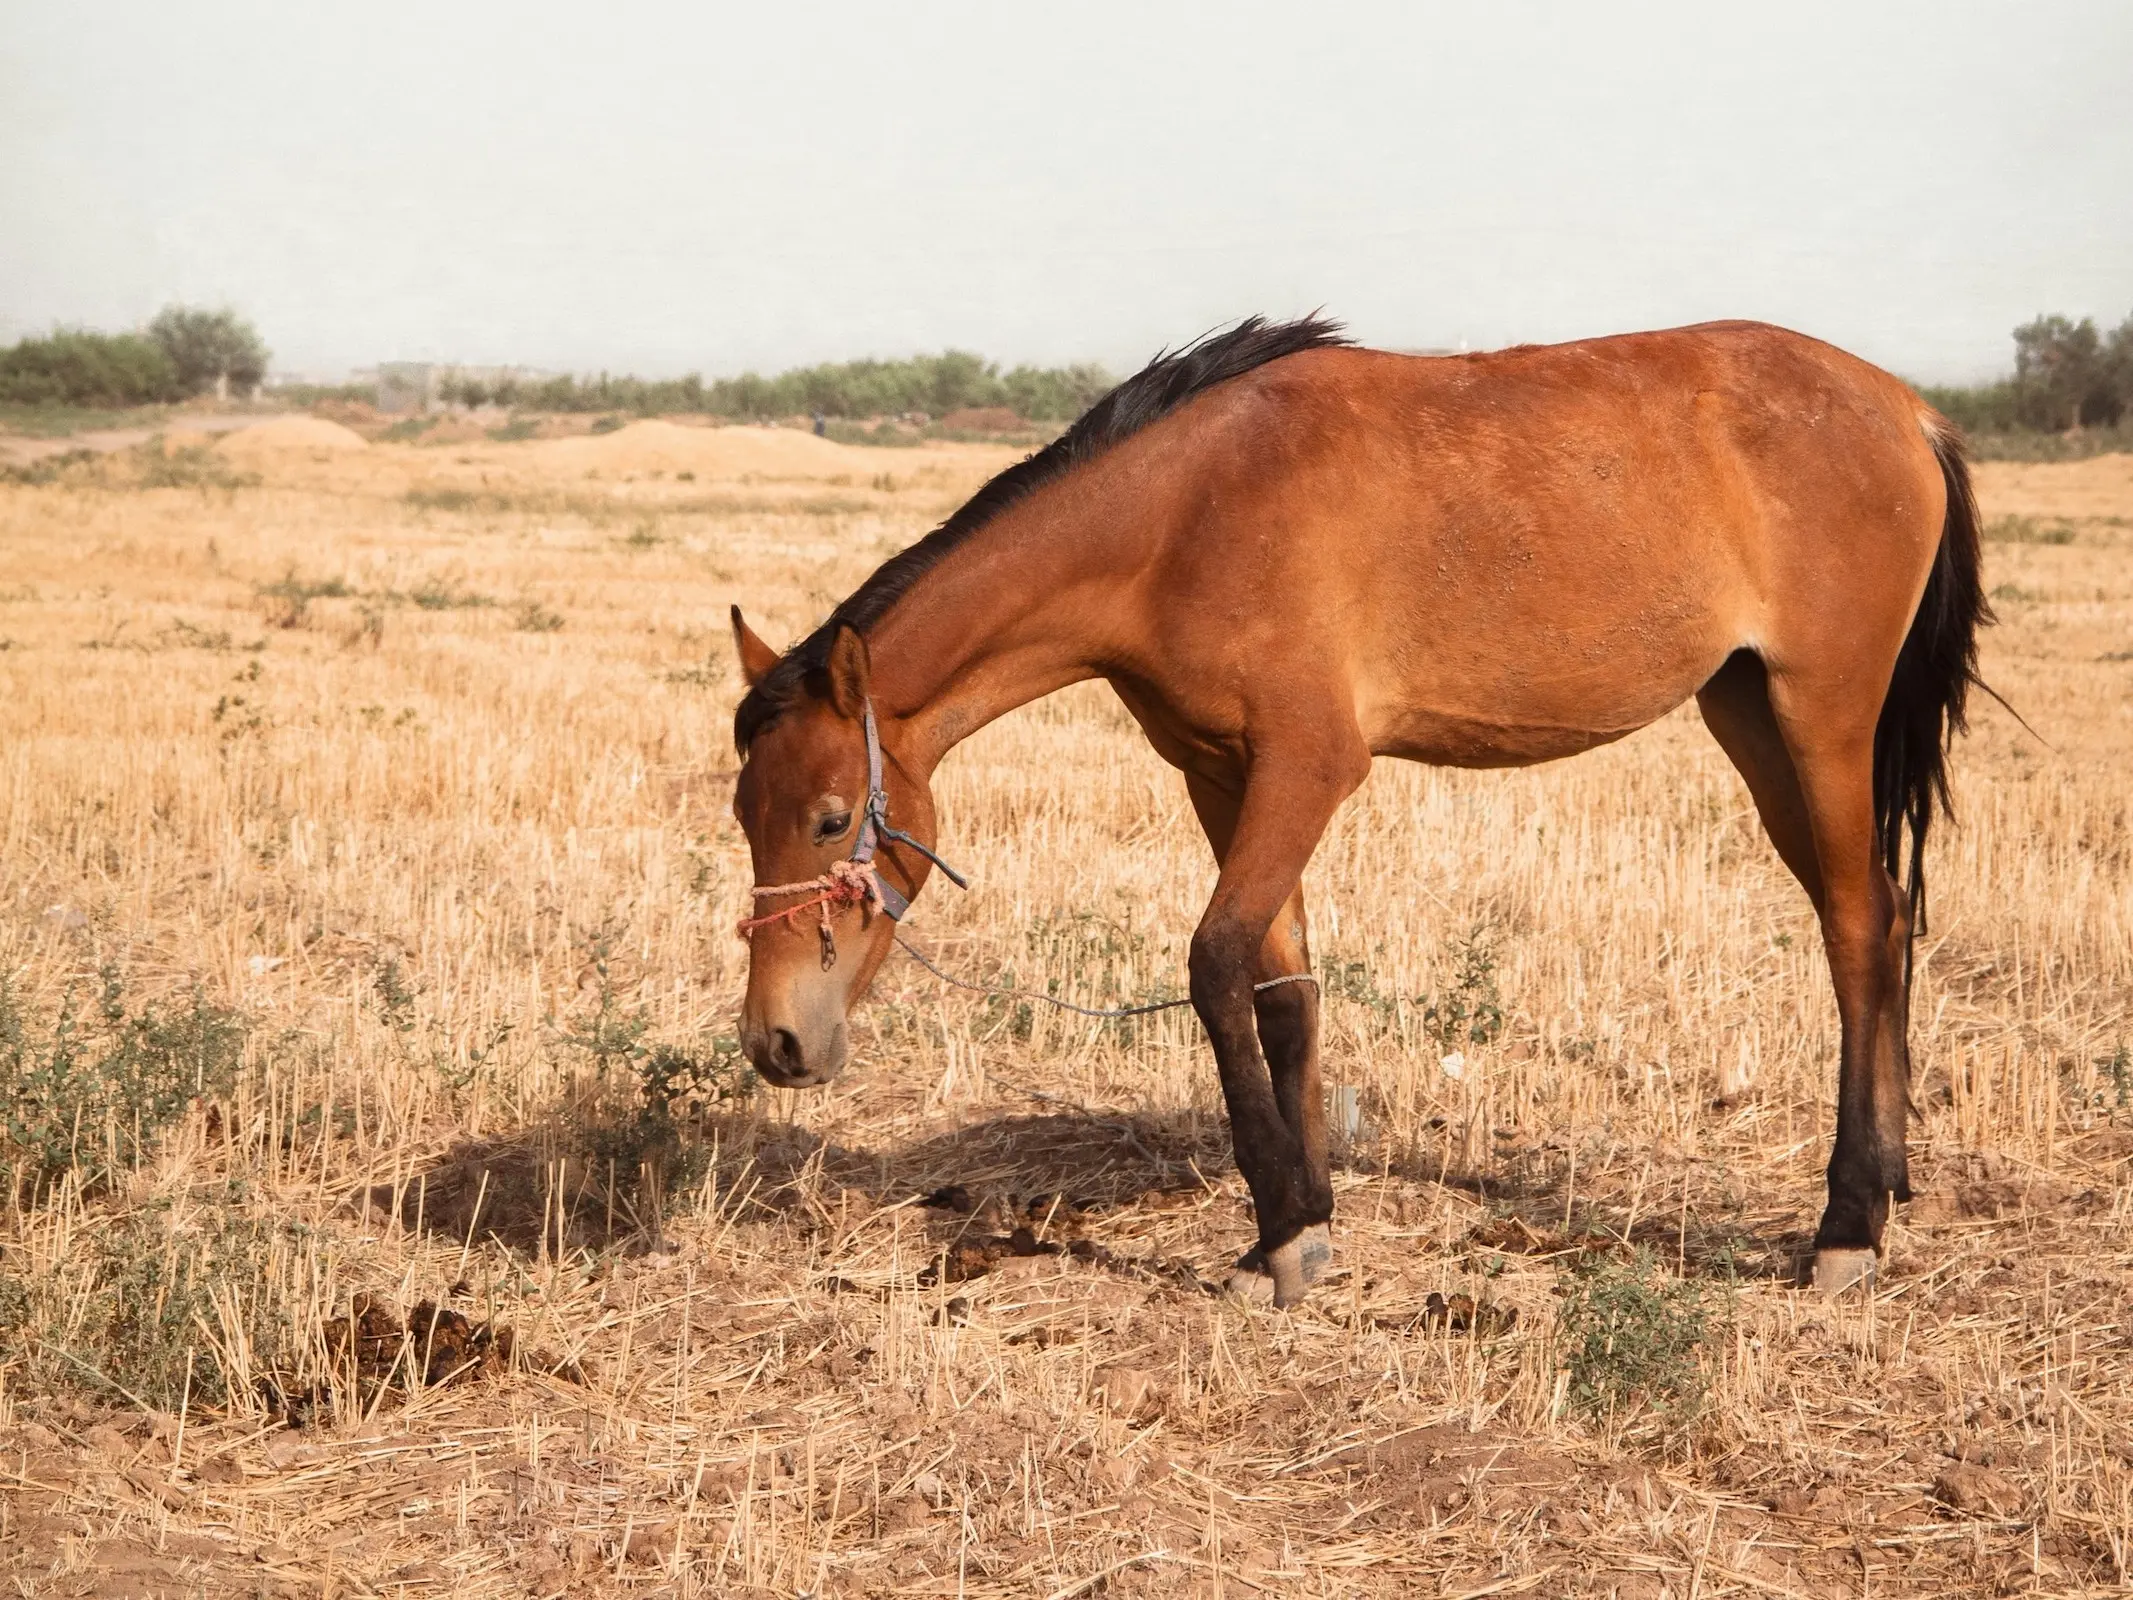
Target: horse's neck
1001	621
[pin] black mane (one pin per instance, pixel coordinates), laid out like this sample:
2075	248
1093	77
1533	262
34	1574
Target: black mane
1151	394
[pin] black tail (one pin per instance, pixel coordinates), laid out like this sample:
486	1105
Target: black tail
1925	708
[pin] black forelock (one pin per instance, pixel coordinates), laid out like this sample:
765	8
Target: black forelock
1159	388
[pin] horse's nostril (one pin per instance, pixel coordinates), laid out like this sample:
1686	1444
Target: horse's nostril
785	1055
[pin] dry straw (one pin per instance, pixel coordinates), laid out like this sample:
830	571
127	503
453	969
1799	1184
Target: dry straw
469	880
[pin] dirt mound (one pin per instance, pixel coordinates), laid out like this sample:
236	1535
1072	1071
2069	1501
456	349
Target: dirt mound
983	419
181	438
710	453
284	436
1420	1470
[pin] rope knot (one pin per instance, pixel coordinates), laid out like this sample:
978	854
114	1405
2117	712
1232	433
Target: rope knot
847	883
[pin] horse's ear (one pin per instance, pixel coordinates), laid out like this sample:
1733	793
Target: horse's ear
757	658
848	672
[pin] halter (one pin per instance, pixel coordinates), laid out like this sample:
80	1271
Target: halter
856	880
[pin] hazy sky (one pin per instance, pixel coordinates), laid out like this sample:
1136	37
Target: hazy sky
662	188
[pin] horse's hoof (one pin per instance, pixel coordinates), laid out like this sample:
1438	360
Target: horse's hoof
1280	1276
1839	1270
1249	1280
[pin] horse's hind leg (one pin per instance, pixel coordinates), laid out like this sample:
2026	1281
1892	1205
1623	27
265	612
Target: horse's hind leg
1808	762
1736	708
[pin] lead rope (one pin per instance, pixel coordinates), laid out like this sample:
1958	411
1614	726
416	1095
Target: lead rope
852	884
857	881
917	955
844	885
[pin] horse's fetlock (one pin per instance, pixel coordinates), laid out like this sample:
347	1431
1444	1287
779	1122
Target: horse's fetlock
1896	1174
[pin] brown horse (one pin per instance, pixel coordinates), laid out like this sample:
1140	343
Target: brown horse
1288	555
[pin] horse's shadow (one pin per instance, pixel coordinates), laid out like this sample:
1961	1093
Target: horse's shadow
542	1194
1093	1161
1538	1215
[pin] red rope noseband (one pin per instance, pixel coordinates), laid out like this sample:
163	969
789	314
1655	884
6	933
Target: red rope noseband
847	883
854	881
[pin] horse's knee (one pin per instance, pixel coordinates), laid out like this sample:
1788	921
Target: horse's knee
1221	950
1220	966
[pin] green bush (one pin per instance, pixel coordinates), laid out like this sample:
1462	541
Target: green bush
95	1091
652	1141
215	350
645	1100
73	367
448	594
70	466
1630	1337
1470	1008
2033	444
184	352
193	467
2070	381
131	1311
1988	408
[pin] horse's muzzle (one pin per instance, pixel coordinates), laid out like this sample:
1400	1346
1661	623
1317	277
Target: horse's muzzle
785	1061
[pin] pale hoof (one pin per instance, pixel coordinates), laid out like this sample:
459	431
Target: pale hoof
1249	1282
1839	1270
1279	1277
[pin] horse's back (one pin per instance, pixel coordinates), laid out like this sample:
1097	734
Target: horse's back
1513	556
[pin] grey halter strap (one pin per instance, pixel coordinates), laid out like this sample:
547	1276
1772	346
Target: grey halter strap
874	827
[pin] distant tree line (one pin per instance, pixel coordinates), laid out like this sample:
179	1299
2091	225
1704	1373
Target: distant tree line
2067	376
936	385
186	351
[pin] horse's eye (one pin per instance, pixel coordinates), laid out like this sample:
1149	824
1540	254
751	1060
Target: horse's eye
832	826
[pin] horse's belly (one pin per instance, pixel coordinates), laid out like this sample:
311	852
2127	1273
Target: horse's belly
1443	740
1522	712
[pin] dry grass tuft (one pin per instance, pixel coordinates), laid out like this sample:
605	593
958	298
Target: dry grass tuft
404	1221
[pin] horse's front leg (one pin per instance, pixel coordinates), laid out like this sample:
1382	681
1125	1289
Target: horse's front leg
1287	1015
1288	1034
1277	1124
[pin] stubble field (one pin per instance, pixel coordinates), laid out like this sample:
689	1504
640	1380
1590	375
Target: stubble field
366	894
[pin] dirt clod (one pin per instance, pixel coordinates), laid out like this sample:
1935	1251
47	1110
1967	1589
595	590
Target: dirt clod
1461	1313
1977	1491
1129	1391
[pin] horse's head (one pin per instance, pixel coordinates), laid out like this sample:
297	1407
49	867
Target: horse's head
816	834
